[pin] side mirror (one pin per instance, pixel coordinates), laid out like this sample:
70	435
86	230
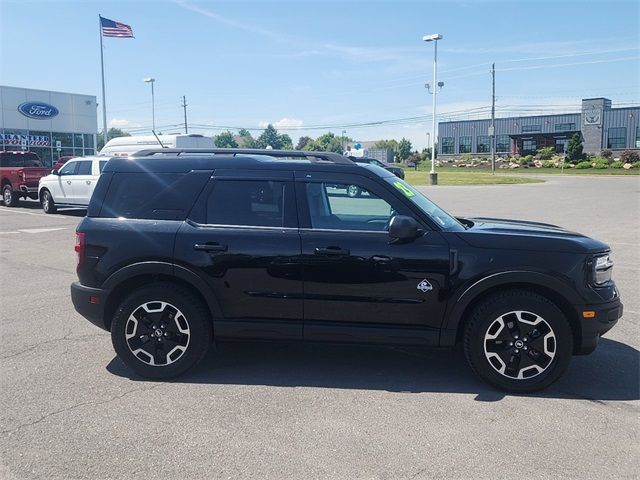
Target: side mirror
55	172
404	229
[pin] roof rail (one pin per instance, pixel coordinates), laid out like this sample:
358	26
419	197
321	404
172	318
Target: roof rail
311	156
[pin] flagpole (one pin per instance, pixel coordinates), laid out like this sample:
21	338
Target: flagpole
104	100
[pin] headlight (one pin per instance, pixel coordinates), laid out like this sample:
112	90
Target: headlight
602	269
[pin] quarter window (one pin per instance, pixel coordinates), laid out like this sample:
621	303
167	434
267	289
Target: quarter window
248	203
465	145
331	207
617	137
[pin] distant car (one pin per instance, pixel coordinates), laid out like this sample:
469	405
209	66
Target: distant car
19	175
61	161
397	171
72	185
354	190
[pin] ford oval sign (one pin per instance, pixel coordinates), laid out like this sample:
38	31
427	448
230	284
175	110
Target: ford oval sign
38	110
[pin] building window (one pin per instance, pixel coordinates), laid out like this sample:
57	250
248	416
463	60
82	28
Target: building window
617	137
531	128
565	127
483	144
465	145
529	146
65	139
503	144
447	145
88	140
561	145
78	142
637	137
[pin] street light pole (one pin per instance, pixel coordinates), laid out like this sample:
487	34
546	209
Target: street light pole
153	103
433	176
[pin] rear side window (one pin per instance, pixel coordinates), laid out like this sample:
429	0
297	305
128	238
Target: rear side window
162	196
247	202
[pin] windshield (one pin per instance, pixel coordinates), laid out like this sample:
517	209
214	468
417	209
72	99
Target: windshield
439	216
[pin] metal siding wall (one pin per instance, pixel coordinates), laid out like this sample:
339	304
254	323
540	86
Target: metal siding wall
622	117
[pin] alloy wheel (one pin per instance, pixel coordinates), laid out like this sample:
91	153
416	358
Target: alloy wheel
520	345
157	333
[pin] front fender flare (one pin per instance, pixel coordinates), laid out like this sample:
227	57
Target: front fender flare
460	302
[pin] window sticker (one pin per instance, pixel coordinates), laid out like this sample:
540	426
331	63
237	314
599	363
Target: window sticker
404	189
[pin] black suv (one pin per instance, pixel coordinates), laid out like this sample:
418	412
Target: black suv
181	247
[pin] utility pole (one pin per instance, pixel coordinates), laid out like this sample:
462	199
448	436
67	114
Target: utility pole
492	130
184	106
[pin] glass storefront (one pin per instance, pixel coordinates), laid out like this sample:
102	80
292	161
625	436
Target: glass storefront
44	143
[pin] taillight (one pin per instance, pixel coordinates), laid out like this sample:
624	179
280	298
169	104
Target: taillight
79	248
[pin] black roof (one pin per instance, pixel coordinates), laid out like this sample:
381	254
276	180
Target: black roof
185	160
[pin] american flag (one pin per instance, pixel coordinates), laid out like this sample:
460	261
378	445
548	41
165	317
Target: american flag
115	29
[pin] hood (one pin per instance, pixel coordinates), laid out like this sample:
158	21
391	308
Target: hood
524	235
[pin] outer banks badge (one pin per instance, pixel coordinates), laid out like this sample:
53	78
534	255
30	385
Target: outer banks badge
424	286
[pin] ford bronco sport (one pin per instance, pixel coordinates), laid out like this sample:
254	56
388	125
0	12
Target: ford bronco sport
183	246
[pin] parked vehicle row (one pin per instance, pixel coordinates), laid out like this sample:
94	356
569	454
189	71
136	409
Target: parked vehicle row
19	176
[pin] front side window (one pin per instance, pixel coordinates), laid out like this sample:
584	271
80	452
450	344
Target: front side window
465	145
257	203
617	137
331	208
69	168
447	145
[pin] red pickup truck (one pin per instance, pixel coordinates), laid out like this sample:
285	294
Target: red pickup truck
20	173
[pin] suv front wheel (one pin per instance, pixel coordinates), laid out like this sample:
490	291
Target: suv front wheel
518	341
161	330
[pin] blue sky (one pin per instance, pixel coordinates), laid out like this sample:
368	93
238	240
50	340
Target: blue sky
325	64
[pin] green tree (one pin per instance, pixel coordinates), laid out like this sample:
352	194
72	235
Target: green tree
385	144
270	137
245	139
574	148
225	140
404	149
302	142
325	143
111	133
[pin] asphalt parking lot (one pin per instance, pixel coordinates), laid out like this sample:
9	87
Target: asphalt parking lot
68	408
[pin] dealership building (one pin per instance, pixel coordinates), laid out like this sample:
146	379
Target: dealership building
601	126
51	124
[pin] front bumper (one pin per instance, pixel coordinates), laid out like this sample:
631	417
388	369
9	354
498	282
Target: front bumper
90	302
606	316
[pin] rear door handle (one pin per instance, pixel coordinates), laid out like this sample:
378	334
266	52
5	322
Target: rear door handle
210	247
332	251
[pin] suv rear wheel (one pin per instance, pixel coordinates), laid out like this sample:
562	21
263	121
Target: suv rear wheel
353	191
161	330
518	341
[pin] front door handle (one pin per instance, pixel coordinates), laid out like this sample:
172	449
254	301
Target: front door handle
88	182
210	247
332	251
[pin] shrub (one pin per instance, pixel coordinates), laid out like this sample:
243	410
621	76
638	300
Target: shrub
546	153
549	164
606	154
629	156
600	163
583	165
527	159
616	164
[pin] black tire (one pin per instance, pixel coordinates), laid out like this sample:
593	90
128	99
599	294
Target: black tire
46	200
133	320
9	197
518	341
353	191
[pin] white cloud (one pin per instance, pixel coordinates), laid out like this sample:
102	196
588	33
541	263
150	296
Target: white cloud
284	123
119	122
